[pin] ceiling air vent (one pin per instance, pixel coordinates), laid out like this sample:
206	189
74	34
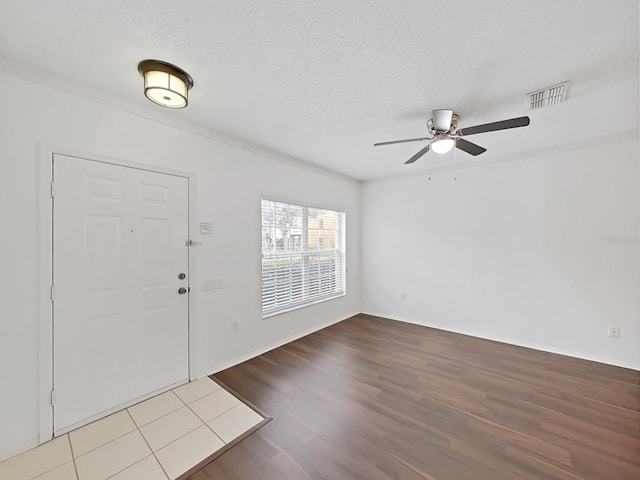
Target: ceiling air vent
548	96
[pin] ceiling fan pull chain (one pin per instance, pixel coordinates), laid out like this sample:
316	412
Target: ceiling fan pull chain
455	164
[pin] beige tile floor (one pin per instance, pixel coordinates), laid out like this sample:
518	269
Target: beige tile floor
158	439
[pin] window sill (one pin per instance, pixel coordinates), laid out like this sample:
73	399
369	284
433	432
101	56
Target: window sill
303	305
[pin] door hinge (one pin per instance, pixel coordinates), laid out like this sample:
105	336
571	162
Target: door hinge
53	397
53	189
53	293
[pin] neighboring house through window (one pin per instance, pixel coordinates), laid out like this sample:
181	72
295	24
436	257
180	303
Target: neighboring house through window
303	256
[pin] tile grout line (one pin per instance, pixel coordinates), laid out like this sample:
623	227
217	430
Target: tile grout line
152	452
57	466
138	429
207	424
129	466
226	411
211	428
202	422
198	416
240	402
105	443
73	457
219	415
162	416
181	436
135	425
199	398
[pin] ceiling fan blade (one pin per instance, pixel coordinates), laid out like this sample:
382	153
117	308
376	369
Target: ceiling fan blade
401	141
491	127
417	155
470	148
442	120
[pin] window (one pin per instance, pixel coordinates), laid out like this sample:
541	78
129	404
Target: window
302	256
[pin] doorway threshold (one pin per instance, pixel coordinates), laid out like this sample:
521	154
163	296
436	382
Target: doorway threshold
167	437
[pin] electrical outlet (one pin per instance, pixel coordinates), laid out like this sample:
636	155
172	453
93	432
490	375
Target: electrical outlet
614	331
212	285
403	296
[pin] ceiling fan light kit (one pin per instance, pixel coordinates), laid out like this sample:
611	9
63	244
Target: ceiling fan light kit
443	127
165	84
443	145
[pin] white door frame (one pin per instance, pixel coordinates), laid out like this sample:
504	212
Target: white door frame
44	170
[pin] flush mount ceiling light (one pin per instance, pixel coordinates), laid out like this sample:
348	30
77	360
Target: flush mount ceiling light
443	144
165	84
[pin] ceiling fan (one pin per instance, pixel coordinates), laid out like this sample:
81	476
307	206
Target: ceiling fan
443	128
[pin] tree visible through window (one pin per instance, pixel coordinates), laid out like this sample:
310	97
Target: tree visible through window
302	256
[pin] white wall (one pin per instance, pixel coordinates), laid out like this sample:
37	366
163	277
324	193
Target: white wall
515	250
540	251
230	182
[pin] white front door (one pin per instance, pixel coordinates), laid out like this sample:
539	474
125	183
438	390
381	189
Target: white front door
120	323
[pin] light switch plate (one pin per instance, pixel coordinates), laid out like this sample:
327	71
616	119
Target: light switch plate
205	228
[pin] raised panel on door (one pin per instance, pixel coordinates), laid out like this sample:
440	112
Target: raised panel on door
120	327
163	256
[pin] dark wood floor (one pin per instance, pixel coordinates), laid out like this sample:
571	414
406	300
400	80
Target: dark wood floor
377	399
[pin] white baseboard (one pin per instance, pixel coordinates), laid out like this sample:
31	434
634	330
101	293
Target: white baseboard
19	448
261	351
26	445
34	442
510	341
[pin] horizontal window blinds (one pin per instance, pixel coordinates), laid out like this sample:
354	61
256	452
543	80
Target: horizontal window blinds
303	257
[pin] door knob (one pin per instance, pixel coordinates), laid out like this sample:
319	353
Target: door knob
182	276
182	290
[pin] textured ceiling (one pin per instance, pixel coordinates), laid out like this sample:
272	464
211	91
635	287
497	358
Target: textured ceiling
323	81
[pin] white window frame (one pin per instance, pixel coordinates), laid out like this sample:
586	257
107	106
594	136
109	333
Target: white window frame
306	254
